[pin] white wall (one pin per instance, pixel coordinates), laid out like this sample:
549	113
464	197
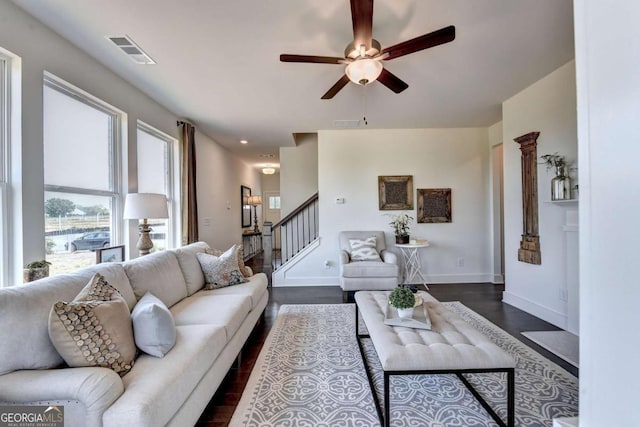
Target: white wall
298	172
43	50
350	162
607	64
547	106
219	177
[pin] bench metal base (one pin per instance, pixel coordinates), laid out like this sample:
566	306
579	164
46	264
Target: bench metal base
385	418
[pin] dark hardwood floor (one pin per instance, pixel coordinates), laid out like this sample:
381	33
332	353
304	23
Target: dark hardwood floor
483	298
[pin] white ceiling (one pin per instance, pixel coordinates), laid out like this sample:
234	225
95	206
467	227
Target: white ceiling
218	61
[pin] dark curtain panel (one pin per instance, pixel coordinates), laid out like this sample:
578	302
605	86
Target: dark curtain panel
189	199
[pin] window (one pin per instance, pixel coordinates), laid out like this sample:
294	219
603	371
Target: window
4	168
82	175
274	202
156	174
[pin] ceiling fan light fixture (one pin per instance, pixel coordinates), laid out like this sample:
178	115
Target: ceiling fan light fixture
363	70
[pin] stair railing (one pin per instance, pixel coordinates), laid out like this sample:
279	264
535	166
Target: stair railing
291	234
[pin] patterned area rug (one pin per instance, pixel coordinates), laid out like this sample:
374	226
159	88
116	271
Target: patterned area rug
310	373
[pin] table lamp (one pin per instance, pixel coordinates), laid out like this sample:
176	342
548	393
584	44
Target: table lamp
255	201
144	206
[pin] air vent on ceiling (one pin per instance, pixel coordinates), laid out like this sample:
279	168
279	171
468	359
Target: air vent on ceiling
346	123
132	50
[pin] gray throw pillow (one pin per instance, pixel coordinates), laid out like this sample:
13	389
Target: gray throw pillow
154	329
364	250
221	271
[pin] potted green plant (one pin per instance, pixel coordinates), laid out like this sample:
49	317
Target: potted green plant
400	225
403	300
35	270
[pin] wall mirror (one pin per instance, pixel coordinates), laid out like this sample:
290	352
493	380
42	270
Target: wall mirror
245	209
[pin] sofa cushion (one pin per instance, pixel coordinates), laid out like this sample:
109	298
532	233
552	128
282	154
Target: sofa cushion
370	269
190	266
158	273
221	271
151	399
93	333
364	249
228	311
24	316
254	288
154	329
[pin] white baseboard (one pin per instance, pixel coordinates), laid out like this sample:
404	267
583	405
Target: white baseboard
498	279
459	278
531	307
305	281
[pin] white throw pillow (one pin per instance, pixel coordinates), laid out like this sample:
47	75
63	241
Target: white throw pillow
154	329
364	250
221	271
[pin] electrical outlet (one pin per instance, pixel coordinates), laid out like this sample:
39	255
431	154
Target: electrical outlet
460	262
206	222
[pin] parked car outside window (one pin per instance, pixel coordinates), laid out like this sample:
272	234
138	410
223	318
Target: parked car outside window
91	241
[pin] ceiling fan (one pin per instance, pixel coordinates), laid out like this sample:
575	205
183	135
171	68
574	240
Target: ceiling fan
363	56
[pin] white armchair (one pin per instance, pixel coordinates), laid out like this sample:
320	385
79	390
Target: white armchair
367	275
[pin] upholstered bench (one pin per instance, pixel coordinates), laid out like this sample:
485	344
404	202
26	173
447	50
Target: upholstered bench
452	346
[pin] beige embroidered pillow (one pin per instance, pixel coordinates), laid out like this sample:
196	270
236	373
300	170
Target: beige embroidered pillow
221	271
94	332
245	270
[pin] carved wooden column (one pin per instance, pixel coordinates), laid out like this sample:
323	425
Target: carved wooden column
530	244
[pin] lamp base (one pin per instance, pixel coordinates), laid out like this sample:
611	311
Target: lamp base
255	219
144	244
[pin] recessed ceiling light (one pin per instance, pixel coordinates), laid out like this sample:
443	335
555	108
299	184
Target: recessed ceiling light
244	141
267	156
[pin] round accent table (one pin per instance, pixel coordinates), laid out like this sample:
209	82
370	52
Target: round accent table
412	265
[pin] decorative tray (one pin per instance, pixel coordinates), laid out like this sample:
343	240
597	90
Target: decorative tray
420	319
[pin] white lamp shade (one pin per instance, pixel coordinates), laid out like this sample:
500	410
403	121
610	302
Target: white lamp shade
363	71
255	200
145	205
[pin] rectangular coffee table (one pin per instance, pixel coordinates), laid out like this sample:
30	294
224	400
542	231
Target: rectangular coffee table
452	346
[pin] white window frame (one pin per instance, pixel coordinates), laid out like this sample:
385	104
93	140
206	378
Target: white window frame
172	181
117	148
4	169
10	169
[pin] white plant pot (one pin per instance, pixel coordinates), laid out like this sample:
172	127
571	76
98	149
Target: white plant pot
405	313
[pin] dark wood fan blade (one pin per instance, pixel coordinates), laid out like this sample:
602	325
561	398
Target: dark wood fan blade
336	87
441	36
391	81
311	59
362	18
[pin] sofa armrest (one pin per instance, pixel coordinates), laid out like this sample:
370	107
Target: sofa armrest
389	257
344	257
95	388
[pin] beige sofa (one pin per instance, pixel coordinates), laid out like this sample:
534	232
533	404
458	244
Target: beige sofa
212	326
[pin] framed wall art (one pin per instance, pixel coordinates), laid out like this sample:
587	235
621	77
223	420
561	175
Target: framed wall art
395	193
245	209
434	205
111	254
